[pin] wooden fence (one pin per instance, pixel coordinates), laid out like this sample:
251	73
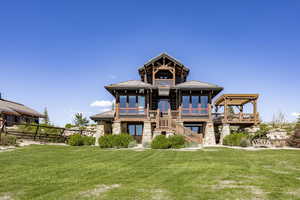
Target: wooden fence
41	132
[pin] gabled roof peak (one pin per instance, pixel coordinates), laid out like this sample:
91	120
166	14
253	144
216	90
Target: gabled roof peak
163	56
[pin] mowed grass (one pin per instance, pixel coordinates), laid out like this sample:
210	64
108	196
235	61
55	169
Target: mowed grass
63	172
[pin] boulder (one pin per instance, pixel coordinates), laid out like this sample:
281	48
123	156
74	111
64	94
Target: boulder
277	134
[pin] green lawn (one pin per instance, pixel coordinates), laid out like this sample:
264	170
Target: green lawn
61	172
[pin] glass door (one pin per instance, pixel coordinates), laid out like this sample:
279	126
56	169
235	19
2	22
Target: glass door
164	106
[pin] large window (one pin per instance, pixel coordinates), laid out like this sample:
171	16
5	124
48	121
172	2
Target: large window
204	104
132	104
164	105
123	104
194	104
136	131
141	104
185	104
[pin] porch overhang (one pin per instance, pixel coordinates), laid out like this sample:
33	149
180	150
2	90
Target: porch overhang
235	99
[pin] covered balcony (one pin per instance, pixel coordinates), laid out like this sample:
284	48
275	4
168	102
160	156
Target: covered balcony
230	109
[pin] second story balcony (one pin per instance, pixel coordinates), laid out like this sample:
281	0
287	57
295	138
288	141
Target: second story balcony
164	82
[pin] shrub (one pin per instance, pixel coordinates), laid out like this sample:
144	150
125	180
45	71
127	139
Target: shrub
106	141
80	140
8	140
160	142
177	141
122	140
234	139
76	140
88	140
245	142
115	141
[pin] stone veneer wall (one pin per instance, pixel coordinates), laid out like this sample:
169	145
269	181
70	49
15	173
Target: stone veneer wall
99	132
116	127
147	132
209	137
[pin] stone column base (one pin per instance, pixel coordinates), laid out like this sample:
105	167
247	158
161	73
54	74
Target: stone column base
147	133
100	130
116	128
209	137
225	131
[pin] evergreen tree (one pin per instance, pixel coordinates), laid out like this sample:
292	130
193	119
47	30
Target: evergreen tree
46	120
80	120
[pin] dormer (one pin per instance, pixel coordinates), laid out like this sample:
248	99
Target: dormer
163	70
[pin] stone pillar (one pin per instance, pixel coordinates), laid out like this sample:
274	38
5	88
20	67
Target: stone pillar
1	122
147	132
100	130
225	131
116	128
209	137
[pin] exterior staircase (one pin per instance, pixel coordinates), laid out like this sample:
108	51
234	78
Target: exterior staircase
167	124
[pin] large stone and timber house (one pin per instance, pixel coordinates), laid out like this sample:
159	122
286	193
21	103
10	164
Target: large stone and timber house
164	101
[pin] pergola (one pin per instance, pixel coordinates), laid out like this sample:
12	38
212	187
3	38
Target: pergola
238	100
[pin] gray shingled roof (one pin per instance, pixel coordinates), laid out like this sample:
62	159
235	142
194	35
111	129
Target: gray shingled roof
13	108
105	115
197	85
130	84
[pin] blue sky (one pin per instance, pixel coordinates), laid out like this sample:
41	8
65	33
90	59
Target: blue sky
60	54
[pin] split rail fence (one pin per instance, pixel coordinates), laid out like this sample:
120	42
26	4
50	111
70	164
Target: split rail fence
39	132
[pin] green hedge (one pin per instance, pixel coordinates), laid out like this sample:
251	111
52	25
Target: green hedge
163	142
160	142
177	141
8	140
236	139
88	140
115	141
80	140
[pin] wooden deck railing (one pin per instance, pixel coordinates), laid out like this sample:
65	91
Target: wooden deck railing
136	110
236	118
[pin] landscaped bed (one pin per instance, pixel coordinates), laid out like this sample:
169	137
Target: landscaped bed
66	172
